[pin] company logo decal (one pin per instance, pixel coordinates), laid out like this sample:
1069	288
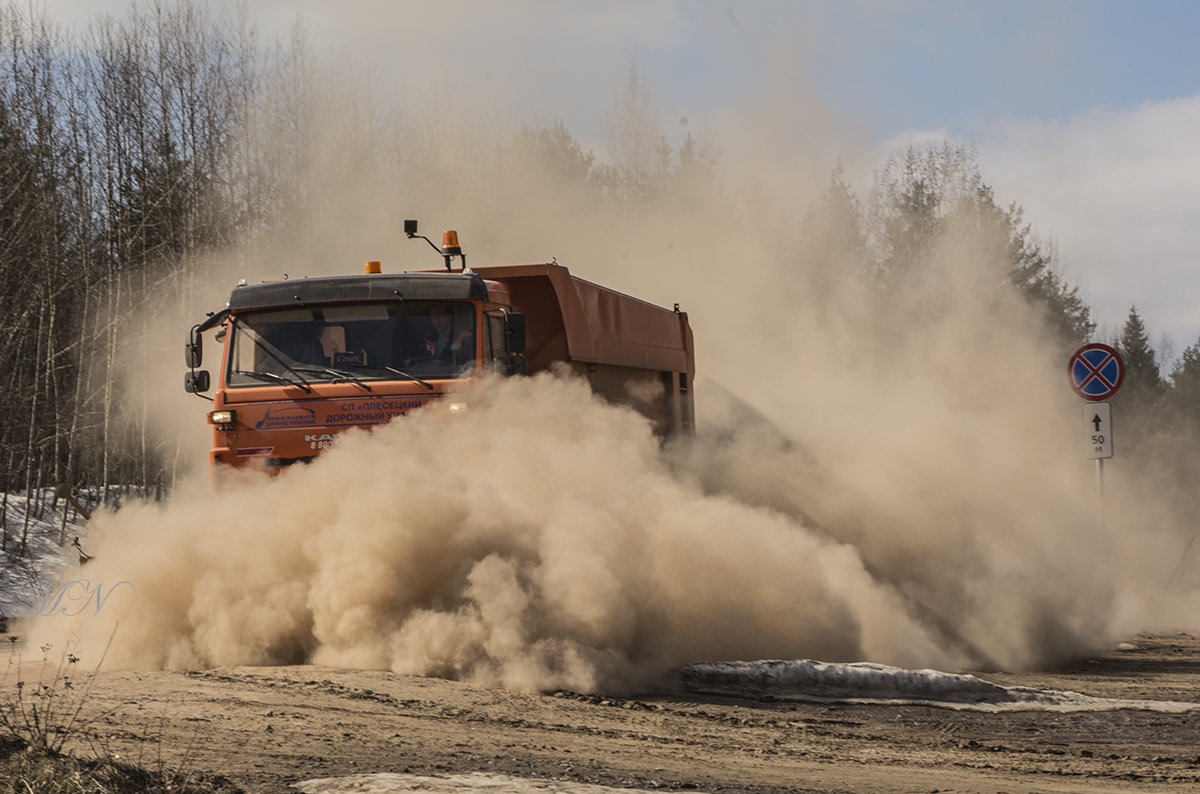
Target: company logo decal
291	416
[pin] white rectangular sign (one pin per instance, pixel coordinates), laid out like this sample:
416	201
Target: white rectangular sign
1097	430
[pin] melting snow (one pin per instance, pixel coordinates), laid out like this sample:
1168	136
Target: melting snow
879	683
26	579
389	783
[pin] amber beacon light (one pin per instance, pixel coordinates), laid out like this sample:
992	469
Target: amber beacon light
450	246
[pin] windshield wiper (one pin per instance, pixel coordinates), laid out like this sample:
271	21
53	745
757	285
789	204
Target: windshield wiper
270	350
271	376
337	375
399	372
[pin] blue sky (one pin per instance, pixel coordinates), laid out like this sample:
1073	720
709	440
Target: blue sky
1085	113
963	64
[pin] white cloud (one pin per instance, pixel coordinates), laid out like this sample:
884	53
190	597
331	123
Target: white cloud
1119	191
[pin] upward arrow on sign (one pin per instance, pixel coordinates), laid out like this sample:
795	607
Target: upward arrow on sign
1097	430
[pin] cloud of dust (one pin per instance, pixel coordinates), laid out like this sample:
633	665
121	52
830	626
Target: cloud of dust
540	540
897	486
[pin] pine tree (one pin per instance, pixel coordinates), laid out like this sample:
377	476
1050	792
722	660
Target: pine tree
1139	407
921	199
1143	386
1035	273
833	241
1183	396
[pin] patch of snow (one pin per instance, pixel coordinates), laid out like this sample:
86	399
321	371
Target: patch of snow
392	783
26	579
878	683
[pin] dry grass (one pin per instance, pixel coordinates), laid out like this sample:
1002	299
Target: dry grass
26	771
41	709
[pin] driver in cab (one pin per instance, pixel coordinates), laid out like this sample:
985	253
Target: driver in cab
442	343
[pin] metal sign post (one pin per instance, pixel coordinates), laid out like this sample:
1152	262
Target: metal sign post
1098	438
1096	372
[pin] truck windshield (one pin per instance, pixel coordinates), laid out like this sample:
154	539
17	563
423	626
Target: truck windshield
359	341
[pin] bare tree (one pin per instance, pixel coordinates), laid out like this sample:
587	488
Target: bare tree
635	140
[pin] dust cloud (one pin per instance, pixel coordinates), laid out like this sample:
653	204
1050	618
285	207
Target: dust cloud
539	540
871	480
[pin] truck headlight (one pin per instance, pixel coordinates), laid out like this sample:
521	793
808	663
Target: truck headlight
224	419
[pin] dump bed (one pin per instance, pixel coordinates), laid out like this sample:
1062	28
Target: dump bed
570	319
624	346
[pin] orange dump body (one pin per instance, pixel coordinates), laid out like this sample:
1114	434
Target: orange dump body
306	359
630	351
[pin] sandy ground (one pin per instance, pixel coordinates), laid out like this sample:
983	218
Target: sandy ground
269	728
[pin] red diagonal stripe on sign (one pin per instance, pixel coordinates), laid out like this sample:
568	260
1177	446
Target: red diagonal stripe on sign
1096	372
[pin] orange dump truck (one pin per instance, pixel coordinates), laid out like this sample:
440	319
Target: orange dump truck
303	360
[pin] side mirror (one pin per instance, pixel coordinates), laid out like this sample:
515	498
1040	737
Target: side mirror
196	381
410	228
515	330
193	348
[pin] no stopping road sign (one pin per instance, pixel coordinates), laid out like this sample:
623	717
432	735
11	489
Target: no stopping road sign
1096	371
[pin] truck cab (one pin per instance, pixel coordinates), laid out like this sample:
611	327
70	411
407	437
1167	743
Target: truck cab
305	359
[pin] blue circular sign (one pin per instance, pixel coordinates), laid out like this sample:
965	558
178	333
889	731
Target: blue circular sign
1096	371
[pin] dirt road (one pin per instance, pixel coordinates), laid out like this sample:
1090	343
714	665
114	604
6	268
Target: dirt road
270	727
